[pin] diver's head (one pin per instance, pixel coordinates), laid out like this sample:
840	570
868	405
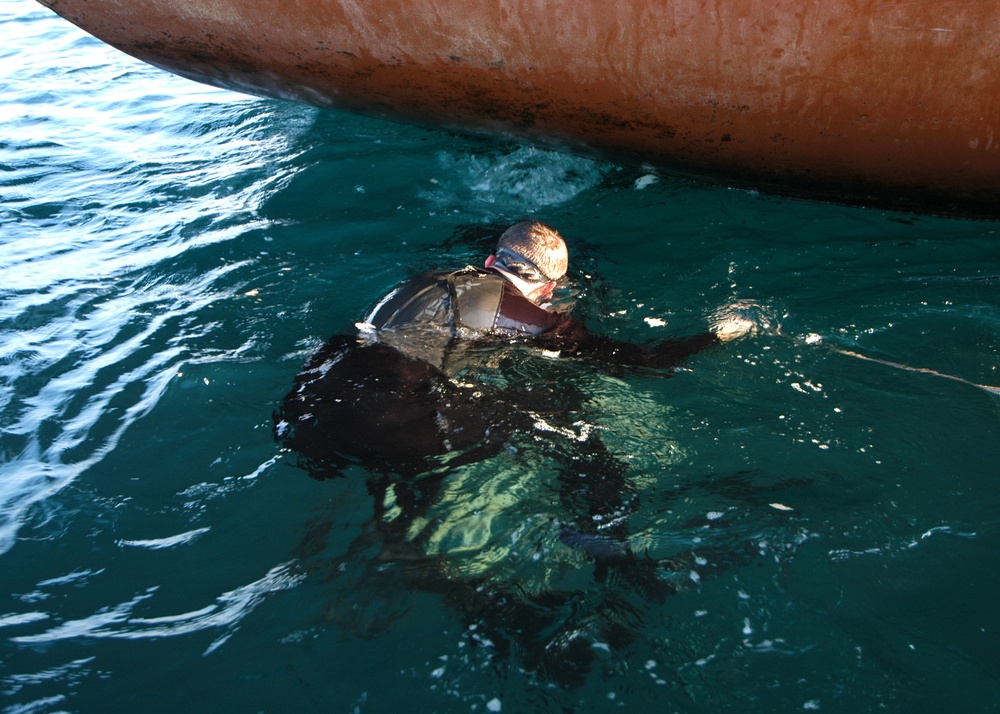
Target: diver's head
534	255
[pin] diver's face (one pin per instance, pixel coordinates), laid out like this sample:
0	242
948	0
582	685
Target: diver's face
543	293
534	291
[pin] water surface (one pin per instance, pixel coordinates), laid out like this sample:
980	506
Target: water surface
171	254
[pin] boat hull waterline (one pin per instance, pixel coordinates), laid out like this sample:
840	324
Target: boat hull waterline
890	104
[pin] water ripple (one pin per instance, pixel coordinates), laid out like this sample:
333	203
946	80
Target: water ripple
120	622
110	248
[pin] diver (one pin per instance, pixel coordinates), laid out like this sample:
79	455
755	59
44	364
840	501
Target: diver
407	398
414	396
399	395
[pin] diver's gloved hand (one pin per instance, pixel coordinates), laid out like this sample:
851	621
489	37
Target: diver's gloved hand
740	318
733	328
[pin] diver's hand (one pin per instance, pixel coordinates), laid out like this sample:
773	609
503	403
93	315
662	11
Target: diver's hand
739	319
733	328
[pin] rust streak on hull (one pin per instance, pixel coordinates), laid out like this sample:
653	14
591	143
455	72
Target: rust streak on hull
864	101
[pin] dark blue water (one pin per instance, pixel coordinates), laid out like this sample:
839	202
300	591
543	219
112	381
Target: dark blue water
170	255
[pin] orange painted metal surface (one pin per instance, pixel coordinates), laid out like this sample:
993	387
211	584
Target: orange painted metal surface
863	101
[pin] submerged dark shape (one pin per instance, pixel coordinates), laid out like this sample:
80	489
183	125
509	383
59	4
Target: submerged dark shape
369	403
891	104
412	427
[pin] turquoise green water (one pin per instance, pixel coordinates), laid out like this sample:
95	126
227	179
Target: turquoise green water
170	255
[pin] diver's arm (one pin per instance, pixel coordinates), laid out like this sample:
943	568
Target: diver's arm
570	338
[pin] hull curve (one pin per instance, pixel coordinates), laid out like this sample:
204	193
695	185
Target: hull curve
889	104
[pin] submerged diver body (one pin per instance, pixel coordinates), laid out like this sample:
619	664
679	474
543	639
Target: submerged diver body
402	399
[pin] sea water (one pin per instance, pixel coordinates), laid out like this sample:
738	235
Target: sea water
820	497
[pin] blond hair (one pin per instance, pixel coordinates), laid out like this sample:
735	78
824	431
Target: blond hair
538	243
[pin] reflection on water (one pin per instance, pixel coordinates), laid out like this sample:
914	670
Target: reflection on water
811	529
119	621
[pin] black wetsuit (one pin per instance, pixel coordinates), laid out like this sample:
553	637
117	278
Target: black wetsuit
390	401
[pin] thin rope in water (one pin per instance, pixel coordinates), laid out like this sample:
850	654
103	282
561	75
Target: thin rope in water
921	370
816	339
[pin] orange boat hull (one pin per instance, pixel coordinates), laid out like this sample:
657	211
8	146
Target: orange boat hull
892	104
